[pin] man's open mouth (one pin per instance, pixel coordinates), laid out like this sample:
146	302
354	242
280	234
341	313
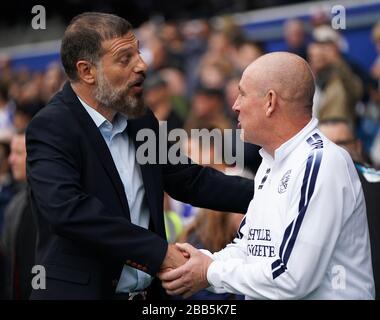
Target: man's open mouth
138	83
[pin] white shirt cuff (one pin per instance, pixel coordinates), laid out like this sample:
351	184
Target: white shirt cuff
213	274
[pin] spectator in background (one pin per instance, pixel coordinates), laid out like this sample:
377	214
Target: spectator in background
6	113
196	33
214	74
216	64
24	113
207	110
157	98
320	15
369	123
375	150
247	51
375	69
158	54
5	69
337	49
295	37
30	90
176	82
340	132
52	82
338	88
19	230
171	36
7	186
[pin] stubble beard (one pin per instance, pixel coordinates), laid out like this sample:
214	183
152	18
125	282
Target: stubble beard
119	99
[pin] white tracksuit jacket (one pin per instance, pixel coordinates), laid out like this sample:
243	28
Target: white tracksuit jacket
305	234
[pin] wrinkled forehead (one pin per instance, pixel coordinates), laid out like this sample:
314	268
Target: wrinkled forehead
115	45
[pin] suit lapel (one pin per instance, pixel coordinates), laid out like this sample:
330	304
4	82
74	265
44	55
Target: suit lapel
148	171
97	142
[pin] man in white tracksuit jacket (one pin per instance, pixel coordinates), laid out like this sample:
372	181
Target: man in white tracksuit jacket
305	234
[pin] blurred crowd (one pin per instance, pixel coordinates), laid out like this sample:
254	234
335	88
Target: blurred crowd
192	83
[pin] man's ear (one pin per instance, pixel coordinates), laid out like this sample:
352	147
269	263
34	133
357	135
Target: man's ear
86	71
270	103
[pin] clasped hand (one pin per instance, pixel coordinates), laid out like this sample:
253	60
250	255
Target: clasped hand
187	274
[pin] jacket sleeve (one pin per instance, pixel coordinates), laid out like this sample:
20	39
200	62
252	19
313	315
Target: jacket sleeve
207	188
300	273
201	186
53	172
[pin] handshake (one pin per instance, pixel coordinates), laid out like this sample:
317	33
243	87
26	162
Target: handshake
184	270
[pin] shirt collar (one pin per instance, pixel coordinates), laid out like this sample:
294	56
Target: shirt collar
119	124
287	147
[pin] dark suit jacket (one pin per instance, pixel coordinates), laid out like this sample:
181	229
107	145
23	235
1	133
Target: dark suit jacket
371	192
85	232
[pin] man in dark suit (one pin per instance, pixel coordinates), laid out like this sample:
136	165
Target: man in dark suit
99	212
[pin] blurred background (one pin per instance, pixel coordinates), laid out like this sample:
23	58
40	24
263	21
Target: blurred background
196	51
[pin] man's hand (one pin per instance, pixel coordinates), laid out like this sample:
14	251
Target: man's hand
190	277
174	258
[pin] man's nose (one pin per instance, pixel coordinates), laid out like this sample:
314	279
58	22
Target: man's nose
140	66
235	107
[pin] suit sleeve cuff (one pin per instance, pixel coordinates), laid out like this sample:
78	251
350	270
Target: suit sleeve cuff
161	247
